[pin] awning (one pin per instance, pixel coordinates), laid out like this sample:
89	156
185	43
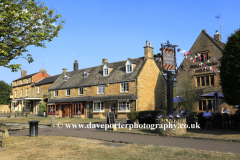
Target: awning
95	98
211	95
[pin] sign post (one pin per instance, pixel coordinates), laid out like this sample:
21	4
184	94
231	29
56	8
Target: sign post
169	63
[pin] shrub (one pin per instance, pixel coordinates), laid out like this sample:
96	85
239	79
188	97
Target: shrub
42	108
143	114
133	115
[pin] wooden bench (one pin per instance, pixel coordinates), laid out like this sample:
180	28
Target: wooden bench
2	138
24	114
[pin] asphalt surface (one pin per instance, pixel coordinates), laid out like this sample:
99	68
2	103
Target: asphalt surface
94	133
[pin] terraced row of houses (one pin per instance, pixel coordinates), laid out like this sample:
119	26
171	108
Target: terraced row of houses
120	87
124	86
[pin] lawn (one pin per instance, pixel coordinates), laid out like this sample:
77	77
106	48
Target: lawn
54	147
47	121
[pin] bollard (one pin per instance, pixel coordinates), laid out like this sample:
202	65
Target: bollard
33	128
53	122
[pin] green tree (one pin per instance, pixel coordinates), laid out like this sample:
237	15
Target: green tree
187	94
5	91
42	107
230	69
24	23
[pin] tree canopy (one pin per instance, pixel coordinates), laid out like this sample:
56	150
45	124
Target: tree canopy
187	94
230	69
5	91
24	23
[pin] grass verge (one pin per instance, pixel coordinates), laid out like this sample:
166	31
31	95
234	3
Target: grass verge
53	147
47	120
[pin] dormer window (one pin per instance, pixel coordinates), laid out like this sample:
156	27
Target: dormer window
129	67
65	78
85	74
105	70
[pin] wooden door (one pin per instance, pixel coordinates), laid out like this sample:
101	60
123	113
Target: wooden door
67	111
113	107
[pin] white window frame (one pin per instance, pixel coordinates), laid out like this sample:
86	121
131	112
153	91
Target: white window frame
21	92
102	107
124	87
38	89
27	92
105	71
67	92
127	103
100	89
65	78
80	91
22	81
27	80
56	95
85	74
129	66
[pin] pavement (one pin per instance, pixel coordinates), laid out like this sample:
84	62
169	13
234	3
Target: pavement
94	133
26	125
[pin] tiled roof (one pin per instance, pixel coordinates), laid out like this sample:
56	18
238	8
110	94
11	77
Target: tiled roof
47	80
27	76
95	77
218	43
95	98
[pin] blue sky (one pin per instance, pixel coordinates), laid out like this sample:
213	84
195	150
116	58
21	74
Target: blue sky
118	29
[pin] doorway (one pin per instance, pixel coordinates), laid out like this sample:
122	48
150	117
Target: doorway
66	111
112	108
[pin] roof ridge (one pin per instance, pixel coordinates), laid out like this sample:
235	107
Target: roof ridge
107	63
25	76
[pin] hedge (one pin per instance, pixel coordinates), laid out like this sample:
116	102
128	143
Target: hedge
140	114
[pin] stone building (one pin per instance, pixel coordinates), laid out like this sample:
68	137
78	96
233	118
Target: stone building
120	87
202	66
31	90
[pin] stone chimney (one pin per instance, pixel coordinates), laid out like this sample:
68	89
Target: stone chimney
104	60
148	51
23	73
75	65
64	70
41	71
44	71
217	36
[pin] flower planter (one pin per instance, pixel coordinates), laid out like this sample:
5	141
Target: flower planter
170	127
